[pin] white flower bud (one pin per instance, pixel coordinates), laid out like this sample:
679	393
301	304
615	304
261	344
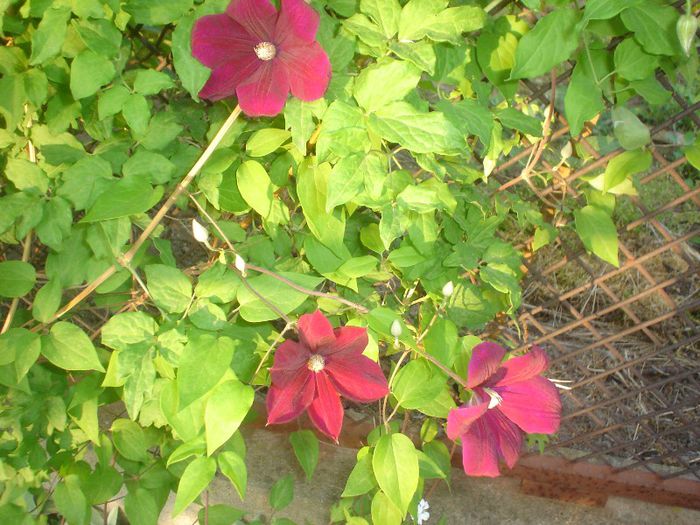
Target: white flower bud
448	289
240	264
199	232
396	328
489	165
566	151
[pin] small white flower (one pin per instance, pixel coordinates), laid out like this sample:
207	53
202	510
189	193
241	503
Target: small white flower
422	515
240	264
396	332
489	165
448	289
199	232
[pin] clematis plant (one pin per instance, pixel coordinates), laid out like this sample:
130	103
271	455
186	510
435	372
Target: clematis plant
510	399
312	373
259	54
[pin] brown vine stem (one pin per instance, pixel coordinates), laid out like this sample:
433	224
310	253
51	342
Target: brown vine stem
125	260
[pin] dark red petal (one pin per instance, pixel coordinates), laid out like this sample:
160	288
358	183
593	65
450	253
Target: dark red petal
290	357
309	69
284	403
533	405
358	378
486	360
315	330
217	40
521	368
480	451
326	411
507	434
224	80
297	18
350	341
257	16
459	420
265	92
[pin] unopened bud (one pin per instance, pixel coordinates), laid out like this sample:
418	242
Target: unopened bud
199	232
566	151
686	28
396	332
489	165
448	289
240	264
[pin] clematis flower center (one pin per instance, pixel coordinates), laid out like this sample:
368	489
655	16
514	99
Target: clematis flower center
316	363
496	398
265	51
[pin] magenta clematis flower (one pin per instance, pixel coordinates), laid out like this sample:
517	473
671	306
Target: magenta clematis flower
510	399
310	374
260	54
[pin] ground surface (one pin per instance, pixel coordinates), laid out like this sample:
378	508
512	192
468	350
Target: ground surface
471	502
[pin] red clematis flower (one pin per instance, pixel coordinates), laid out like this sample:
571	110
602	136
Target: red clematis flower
510	398
259	55
310	374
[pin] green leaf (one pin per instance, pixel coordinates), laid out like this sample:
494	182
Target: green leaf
85	181
584	99
605	9
255	186
298	117
111	101
416	384
126	197
442	342
282	492
194	380
632	63
220	515
69	348
417	16
88	72
151	82
169	288
343	132
551	41
130	440
305	445
137	114
194	480
226	408
470	118
449	24
17	278
512	118
149	166
265	141
625	165
47	301
396	77
395	465
233	467
153	13
629	131
70	501
192	73
12	99
385	13
692	153
347	179
420	132
384	511
654	26
361	479
597	231
420	54
16	342
101	36
48	39
283	297
141	507
26	175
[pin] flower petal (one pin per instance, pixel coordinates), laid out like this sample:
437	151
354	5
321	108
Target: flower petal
224	80
479	451
350	341
309	69
326	411
217	40
265	92
284	403
521	368
485	361
459	420
315	331
298	18
290	357
358	378
507	435
257	16
534	405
